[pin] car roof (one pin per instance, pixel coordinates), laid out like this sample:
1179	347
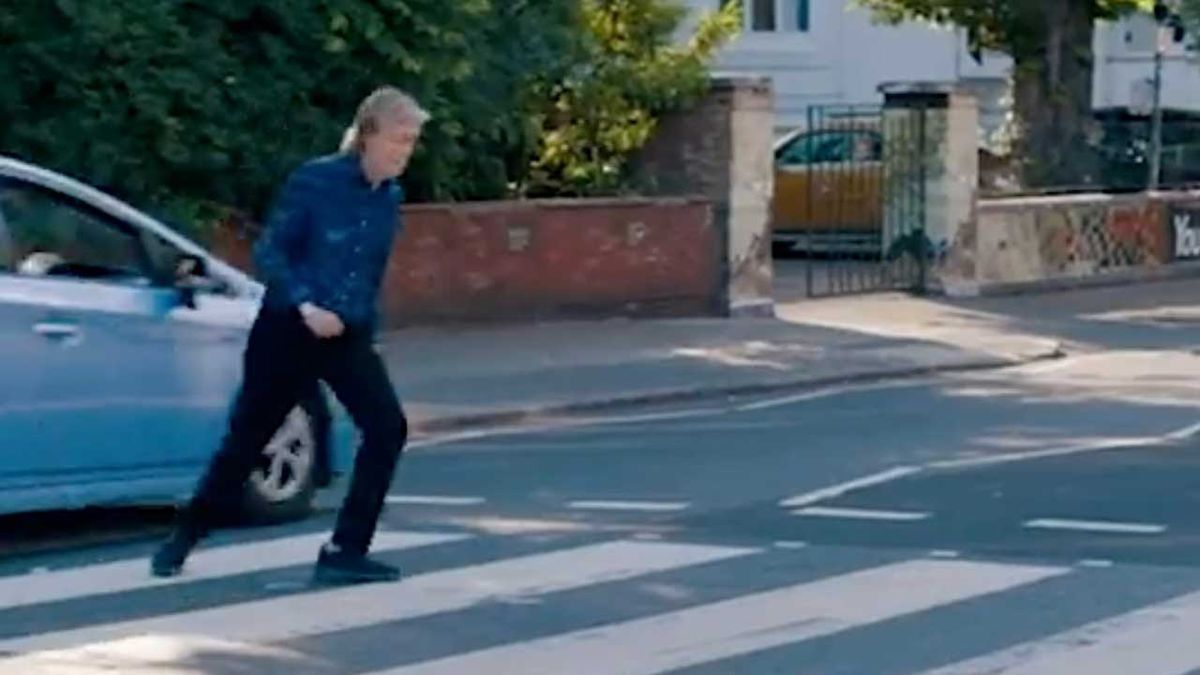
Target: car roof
11	167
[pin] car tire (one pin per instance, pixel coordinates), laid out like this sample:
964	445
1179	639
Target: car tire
282	486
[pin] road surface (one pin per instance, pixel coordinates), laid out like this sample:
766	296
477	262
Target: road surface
1035	520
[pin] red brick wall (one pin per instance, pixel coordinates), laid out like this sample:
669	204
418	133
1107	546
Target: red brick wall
524	260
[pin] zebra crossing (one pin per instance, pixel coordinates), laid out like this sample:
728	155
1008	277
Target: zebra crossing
598	604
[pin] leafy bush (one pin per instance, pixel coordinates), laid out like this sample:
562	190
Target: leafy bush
190	106
631	72
196	109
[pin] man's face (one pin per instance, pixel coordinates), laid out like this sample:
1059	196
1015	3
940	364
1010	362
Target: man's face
387	150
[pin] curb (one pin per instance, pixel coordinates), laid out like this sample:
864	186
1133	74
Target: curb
515	416
1122	277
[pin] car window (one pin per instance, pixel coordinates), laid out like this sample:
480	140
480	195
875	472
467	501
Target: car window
814	148
52	234
163	254
167	257
831	147
865	146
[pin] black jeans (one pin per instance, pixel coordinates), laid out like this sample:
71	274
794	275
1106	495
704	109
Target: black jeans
283	360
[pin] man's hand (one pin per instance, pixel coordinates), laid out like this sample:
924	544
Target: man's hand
322	322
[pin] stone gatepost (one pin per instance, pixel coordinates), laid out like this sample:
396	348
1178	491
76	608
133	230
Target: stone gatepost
931	178
722	150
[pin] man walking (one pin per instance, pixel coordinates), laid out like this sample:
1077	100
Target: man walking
322	256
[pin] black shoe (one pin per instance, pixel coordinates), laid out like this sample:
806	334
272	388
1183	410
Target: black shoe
339	567
168	560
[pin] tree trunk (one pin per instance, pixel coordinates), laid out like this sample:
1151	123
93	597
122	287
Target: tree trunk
1052	89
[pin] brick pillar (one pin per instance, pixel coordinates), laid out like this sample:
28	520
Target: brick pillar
722	150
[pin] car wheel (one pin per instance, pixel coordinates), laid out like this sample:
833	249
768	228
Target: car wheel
282	485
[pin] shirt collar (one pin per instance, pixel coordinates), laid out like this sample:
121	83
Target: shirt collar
353	166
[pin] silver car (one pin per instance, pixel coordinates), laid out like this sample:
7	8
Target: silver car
120	347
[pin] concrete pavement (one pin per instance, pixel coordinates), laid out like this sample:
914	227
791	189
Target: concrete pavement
453	378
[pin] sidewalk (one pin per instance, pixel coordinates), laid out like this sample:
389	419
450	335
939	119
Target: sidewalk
455	378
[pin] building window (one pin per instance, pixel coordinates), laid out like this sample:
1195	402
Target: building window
799	14
775	16
762	17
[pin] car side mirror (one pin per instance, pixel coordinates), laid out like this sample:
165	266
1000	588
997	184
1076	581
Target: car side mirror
190	277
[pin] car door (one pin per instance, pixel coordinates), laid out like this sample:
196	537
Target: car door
211	330
827	182
209	334
806	183
858	182
24	448
98	381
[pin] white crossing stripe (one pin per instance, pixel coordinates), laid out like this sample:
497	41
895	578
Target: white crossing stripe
1155	640
604	505
743	625
859	514
1095	526
150	655
434	500
342	608
205	563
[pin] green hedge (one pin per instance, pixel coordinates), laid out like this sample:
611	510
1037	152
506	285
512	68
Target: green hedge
191	108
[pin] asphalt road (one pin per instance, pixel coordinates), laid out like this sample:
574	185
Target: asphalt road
1037	520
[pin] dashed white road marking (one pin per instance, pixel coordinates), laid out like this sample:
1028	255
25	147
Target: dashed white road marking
616	505
860	514
1106	526
791	545
434	500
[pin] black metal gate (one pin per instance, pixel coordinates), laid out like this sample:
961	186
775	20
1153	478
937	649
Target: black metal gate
850	197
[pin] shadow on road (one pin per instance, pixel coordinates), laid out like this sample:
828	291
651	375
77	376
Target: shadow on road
31	533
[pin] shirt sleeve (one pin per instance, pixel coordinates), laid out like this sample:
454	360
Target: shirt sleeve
278	249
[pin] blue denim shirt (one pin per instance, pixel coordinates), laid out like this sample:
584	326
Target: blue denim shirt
328	240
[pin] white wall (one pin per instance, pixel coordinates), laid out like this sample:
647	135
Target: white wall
1125	67
844	58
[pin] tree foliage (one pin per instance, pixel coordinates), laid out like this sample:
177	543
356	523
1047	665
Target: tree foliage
1190	9
631	70
193	106
196	109
1001	25
1051	45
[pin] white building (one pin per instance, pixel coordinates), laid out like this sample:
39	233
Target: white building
1125	68
831	52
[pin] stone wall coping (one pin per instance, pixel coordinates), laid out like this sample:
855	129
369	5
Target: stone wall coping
1082	199
557	203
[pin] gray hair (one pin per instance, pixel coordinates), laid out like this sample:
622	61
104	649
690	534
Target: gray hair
388	103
